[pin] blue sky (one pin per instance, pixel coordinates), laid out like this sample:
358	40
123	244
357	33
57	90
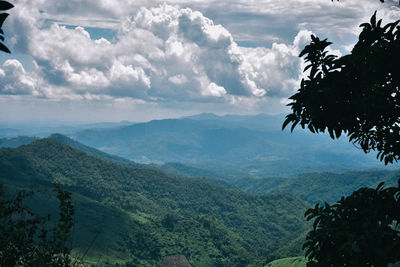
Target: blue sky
103	60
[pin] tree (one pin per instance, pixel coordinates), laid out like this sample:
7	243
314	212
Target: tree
359	230
4	5
27	239
358	95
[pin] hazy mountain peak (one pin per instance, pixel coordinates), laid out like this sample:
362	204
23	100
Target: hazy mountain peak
203	116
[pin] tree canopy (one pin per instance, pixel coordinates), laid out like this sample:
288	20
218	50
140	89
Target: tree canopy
357	94
4	5
28	239
359	230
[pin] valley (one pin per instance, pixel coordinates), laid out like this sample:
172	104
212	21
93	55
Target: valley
238	213
174	214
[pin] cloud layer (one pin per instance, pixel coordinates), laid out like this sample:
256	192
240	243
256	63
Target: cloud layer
159	54
167	54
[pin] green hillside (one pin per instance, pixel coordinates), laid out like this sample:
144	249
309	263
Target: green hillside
312	187
16	141
320	187
95	152
142	214
288	262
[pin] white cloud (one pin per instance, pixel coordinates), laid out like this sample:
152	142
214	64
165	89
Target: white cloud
164	53
214	90
178	79
16	81
171	55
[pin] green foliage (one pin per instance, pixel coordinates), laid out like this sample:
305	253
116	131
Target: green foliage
360	230
4	5
95	152
27	239
287	262
119	206
356	94
321	187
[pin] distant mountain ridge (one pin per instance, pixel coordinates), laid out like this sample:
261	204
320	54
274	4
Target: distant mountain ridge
95	152
17	141
255	122
312	187
320	187
44	129
230	145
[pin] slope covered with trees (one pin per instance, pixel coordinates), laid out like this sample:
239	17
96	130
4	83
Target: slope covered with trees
16	141
173	214
320	187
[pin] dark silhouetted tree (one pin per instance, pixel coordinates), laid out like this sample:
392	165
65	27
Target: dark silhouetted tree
358	95
4	5
27	239
359	230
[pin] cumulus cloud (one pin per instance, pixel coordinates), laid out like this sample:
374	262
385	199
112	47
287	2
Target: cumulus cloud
250	21
319	15
16	81
170	54
214	90
159	54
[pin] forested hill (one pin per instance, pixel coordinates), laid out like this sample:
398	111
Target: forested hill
16	141
330	187
320	187
172	209
312	187
95	152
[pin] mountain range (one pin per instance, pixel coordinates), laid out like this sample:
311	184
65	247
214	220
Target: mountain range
232	146
221	190
141	214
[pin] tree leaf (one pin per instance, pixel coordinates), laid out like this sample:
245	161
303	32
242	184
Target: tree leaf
4	5
373	20
380	185
3	17
4	48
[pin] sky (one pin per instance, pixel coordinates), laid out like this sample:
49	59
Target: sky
137	60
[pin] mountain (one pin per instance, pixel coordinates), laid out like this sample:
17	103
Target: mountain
312	187
253	122
95	152
140	215
43	129
320	187
260	185
231	146
16	141
8	132
330	187
174	169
